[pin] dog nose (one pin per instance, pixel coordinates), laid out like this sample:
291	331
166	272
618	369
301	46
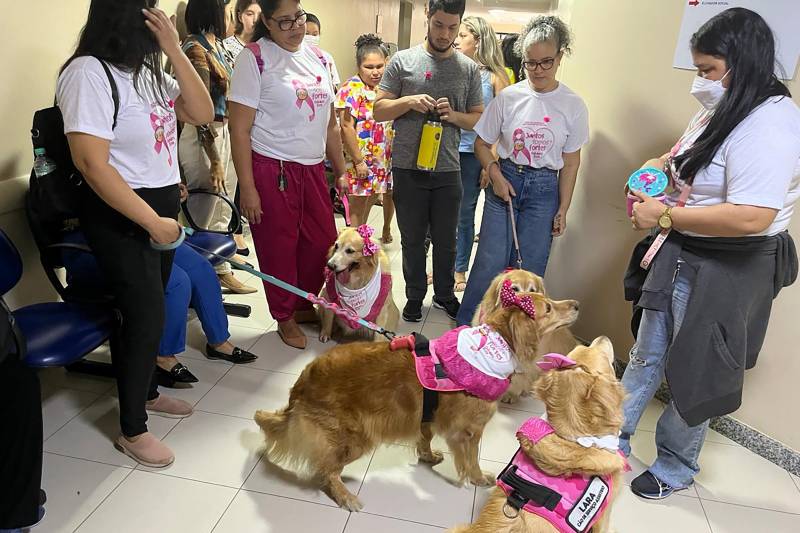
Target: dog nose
331	265
576	305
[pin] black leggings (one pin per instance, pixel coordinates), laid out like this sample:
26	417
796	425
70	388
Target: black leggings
136	275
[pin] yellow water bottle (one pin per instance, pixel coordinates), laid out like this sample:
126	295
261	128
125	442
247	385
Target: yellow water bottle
429	143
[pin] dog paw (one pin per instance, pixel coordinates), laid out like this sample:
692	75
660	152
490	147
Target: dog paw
485	480
351	503
323	338
509	398
433	458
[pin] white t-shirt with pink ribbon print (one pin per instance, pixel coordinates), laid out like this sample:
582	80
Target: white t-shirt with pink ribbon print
534	129
143	146
292	99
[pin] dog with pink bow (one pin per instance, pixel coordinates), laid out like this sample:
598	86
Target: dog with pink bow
357	278
568	468
360	395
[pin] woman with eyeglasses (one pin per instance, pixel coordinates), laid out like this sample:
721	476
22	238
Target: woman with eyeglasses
539	126
282	127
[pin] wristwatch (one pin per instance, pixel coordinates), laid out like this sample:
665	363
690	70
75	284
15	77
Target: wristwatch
665	220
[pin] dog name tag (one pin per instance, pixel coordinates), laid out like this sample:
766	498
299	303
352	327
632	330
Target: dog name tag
588	505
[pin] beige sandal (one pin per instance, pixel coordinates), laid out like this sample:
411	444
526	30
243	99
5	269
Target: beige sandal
228	281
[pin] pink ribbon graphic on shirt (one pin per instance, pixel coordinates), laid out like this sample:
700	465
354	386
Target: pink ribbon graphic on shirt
304	97
157	123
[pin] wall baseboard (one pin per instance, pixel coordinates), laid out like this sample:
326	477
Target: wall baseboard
763	445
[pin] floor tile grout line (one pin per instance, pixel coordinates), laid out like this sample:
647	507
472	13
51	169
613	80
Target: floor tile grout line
744	506
164	472
705	513
112	491
796	481
366	472
76	415
227	508
90	460
405	520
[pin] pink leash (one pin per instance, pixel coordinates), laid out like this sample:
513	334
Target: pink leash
514	233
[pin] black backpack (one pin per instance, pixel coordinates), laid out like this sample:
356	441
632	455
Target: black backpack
56	196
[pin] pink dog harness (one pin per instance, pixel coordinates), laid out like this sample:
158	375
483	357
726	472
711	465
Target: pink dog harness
571	504
476	360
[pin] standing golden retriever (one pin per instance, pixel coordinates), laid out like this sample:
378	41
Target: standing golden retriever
559	341
358	278
357	396
584	403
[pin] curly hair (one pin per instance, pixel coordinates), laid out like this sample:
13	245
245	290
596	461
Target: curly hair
546	28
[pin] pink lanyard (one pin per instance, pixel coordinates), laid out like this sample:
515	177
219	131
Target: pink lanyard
685	192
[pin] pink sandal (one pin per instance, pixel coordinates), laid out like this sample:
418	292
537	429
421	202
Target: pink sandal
147	450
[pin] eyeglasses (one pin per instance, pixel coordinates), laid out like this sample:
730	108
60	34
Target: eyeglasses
288	24
546	64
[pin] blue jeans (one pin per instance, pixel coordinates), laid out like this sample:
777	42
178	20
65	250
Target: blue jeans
678	444
192	282
535	206
471	183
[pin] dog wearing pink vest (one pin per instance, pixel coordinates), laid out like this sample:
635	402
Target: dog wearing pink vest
568	468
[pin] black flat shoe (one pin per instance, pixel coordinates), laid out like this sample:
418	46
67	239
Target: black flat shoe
238	357
178	374
243	251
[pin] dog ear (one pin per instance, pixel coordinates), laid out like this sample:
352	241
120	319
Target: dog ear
524	335
491	300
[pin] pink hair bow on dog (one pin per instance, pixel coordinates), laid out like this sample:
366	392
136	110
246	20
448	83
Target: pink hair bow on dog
370	248
555	361
509	298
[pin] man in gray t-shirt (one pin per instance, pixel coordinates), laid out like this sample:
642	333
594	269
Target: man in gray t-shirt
430	78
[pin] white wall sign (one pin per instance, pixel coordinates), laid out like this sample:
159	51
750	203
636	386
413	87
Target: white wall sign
783	16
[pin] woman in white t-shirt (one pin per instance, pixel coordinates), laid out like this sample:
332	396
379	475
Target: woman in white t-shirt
706	295
539	126
130	162
282	126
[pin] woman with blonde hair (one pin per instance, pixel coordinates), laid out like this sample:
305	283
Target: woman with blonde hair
476	40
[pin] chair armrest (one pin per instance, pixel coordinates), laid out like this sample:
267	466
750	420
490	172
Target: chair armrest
236	218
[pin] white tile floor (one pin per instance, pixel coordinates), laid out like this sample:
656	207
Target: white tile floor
220	482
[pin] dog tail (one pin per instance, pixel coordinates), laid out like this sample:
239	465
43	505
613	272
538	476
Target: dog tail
281	437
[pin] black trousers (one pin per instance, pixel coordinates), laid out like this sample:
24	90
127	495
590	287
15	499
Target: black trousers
136	274
21	445
428	202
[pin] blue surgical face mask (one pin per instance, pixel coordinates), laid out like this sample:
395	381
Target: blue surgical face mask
708	92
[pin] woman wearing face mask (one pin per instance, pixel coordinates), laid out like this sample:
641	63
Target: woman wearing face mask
476	40
313	36
736	177
368	143
539	126
282	126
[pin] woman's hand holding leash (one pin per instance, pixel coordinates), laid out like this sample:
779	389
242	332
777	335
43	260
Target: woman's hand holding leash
500	185
164	230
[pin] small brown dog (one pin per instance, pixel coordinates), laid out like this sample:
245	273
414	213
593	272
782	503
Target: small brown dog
584	416
358	278
357	396
559	341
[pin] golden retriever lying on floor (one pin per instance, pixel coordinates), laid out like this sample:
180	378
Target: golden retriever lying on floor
573	452
358	278
357	396
559	341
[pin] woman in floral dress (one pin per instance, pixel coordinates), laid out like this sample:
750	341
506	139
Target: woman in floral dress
367	143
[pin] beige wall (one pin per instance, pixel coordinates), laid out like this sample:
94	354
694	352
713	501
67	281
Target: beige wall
638	106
